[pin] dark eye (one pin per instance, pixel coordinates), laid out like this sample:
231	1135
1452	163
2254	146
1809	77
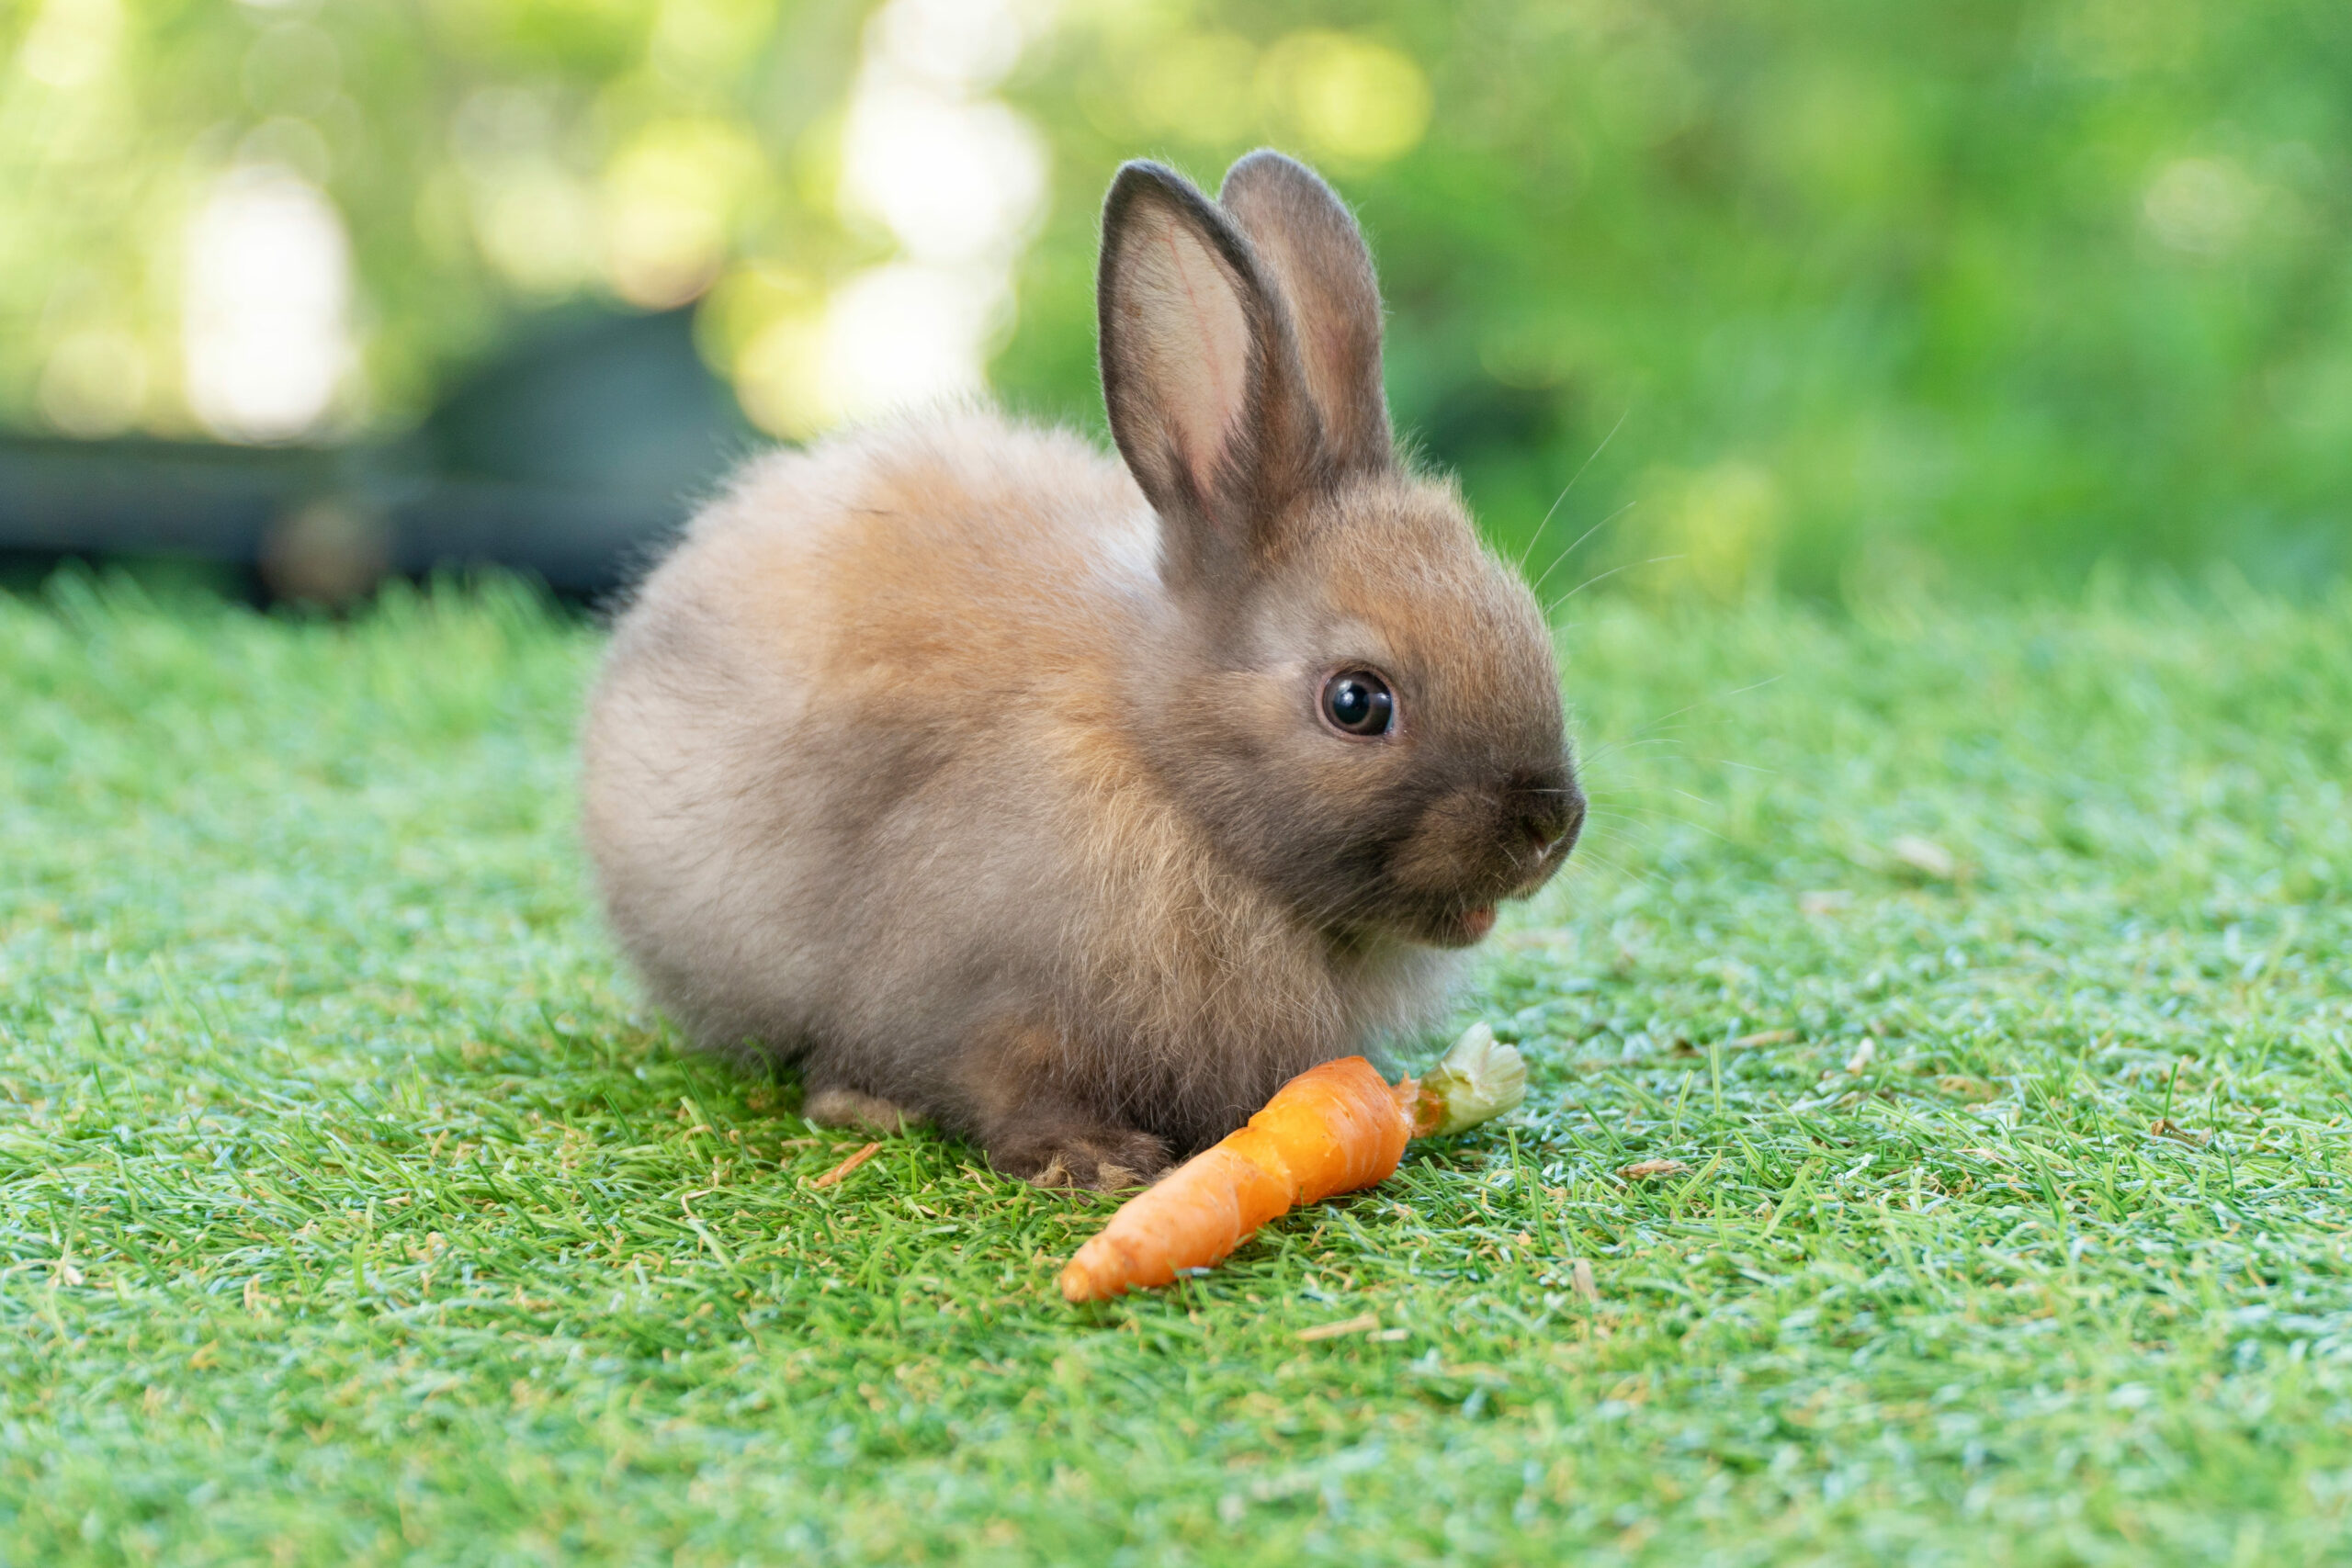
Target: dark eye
1358	702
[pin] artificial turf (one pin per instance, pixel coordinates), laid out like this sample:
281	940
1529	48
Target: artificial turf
1984	971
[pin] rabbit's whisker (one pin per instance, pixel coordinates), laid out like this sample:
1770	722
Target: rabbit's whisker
1536	587
1702	702
1605	576
1590	863
1532	539
1657	816
1612	747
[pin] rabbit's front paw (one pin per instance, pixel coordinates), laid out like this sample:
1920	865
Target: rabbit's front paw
1108	1159
865	1113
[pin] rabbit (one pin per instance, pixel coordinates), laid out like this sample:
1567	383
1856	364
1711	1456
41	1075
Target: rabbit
1073	804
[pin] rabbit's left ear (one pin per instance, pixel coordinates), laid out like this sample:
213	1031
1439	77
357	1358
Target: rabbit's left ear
1308	243
1200	377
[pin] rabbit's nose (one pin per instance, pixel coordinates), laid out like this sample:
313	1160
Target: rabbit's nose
1549	808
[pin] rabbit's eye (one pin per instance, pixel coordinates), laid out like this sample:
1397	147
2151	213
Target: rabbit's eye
1358	702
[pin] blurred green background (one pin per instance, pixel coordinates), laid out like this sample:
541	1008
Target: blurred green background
1885	296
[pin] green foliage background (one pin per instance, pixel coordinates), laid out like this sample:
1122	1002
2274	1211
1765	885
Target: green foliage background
1941	292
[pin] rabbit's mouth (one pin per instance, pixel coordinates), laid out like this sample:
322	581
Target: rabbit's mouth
1475	923
1439	880
1452	926
1450	876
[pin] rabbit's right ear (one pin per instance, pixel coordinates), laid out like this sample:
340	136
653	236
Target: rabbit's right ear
1200	378
1307	242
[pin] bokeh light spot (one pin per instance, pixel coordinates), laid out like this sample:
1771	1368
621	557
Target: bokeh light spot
1724	521
1198	88
71	41
1352	98
669	198
265	317
2203	205
95	383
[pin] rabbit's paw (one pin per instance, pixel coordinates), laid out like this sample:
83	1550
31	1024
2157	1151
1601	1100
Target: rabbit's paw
866	1112
1108	1159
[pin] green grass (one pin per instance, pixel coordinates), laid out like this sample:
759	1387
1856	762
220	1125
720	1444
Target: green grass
353	1207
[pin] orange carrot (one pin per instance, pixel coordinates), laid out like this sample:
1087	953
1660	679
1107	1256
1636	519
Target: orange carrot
1332	1129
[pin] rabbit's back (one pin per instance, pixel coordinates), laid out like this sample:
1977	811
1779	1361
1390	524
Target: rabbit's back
828	726
955	556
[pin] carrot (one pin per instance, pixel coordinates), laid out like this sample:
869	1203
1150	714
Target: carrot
1333	1129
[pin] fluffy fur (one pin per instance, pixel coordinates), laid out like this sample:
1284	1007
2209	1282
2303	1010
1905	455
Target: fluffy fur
986	777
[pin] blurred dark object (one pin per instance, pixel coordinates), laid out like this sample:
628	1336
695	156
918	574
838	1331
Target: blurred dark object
571	456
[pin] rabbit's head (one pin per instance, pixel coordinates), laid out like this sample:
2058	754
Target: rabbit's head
1354	696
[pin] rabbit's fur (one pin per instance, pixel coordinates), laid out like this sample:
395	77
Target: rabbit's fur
988	779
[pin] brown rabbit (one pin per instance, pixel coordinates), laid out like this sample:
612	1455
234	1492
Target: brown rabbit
1075	807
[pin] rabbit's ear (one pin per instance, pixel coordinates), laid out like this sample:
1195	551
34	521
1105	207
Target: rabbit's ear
1199	375
1308	243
